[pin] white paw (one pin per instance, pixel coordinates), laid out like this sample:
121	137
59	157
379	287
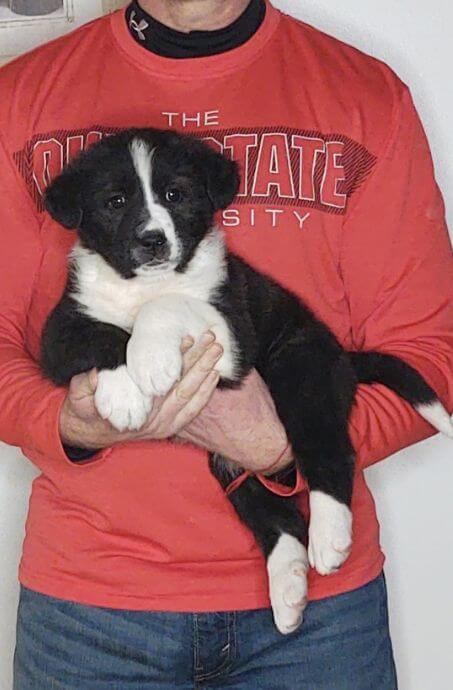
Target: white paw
329	534
287	568
119	400
154	364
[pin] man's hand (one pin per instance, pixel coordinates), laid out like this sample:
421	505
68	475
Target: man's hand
82	426
242	425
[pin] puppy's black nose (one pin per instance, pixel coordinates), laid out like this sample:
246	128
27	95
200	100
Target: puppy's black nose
153	239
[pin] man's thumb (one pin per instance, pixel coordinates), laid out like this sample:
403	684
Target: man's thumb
93	380
84	385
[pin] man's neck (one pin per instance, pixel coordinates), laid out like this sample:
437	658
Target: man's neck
195	15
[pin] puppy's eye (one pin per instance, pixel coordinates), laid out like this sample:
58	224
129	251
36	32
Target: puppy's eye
116	202
173	196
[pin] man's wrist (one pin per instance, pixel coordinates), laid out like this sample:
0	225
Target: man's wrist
66	426
76	433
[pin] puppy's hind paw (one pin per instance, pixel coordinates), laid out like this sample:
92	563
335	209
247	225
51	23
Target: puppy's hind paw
287	567
329	534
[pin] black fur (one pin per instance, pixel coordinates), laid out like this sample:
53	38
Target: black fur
312	379
73	343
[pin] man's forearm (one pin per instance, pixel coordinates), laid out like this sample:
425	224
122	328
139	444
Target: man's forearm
382	424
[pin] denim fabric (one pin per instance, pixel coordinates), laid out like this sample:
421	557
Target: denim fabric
343	644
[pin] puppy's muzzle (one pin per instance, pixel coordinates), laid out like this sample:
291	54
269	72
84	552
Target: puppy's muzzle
152	247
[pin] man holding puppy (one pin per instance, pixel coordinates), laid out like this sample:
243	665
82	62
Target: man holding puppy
135	571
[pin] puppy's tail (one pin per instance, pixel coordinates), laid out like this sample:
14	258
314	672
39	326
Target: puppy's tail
375	367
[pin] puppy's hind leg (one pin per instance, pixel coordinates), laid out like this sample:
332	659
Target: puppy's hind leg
313	387
280	530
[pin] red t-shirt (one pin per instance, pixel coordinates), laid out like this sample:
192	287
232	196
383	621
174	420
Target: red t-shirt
338	202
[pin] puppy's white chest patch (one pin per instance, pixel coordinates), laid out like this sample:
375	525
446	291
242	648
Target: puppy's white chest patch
104	295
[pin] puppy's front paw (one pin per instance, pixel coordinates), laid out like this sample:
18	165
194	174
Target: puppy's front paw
329	534
154	364
119	400
287	567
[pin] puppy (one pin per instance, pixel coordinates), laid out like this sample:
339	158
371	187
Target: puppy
148	269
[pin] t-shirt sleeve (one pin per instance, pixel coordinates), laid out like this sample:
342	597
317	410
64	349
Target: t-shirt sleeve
397	266
29	404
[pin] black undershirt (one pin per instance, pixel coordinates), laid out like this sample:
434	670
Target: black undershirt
167	42
162	40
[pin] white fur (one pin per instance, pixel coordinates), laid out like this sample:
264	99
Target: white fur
159	217
287	567
106	296
119	400
154	357
329	534
436	414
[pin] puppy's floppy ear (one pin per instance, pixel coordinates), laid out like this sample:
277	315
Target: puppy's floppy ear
222	180
62	199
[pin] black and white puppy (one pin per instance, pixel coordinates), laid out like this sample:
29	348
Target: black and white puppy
150	268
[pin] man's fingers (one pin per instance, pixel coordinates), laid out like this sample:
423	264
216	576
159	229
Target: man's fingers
193	354
183	392
187	343
197	402
93	380
192	392
194	377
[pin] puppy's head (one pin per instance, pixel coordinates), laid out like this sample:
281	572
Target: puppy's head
143	199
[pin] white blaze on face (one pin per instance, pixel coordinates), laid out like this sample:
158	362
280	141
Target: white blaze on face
159	217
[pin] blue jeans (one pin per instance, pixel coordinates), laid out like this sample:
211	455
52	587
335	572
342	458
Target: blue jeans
343	644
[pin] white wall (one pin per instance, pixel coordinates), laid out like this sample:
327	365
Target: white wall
19	33
413	489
